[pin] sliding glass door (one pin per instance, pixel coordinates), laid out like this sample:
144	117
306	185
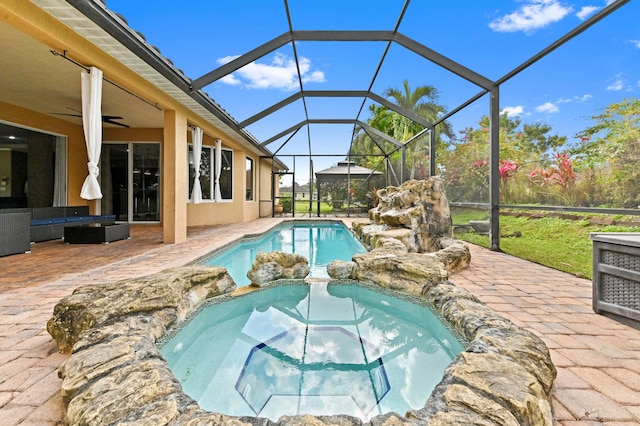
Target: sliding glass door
130	180
33	168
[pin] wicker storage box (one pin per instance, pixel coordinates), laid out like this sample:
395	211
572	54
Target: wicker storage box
616	276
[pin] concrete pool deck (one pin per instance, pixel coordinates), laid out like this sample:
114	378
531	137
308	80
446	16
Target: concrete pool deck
598	359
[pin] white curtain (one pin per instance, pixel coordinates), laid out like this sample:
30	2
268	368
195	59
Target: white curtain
196	138
92	126
218	195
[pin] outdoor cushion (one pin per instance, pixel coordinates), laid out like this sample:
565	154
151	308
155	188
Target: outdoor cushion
79	218
50	221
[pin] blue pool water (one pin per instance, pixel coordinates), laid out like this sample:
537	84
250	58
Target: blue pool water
321	243
320	349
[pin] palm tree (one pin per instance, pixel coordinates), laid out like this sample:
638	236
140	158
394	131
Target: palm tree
423	102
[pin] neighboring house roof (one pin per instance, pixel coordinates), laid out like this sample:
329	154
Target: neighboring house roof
290	189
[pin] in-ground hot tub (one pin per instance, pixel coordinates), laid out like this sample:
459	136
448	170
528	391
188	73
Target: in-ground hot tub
322	349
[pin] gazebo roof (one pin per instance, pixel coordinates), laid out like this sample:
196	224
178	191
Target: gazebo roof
346	169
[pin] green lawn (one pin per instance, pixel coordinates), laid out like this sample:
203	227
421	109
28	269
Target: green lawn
557	243
303	207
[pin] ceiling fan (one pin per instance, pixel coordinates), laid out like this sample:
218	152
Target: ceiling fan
109	119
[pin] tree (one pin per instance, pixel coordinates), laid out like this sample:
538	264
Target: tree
611	147
523	148
423	102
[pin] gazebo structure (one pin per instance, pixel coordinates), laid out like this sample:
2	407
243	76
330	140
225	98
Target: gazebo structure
348	178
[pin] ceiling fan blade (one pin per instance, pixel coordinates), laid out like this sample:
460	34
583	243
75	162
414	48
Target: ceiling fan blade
105	118
115	122
69	115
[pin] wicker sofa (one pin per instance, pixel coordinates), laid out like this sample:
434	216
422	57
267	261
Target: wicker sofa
15	232
48	223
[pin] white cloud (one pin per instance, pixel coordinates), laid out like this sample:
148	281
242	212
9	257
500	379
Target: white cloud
227	59
281	73
531	16
512	111
617	85
548	108
578	99
636	42
586	11
231	80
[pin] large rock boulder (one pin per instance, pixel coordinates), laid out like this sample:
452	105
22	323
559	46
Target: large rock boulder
391	266
420	206
276	265
398	270
453	253
178	289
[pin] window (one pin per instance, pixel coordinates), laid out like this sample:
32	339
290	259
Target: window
206	167
207	173
226	175
249	179
36	157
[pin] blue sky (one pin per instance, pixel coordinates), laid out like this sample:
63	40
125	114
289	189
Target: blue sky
564	89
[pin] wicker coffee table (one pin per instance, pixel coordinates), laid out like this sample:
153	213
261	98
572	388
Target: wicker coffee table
97	233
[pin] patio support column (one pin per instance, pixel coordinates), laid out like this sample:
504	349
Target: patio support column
494	169
174	162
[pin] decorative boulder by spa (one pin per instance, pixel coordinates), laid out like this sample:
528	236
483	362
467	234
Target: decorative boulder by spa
420	207
392	268
177	291
276	265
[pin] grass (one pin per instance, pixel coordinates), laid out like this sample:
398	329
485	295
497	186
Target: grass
303	207
557	243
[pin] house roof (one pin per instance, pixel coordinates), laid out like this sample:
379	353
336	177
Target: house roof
290	188
58	93
346	169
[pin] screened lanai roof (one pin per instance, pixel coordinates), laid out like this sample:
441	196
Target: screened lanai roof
298	77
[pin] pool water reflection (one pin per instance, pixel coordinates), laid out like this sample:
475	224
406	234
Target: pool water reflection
321	243
319	349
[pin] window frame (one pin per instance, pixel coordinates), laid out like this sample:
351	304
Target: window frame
250	197
212	180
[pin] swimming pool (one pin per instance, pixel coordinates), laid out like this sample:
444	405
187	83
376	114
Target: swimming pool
317	348
320	242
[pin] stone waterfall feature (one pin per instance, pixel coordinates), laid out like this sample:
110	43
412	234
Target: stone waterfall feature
409	233
416	213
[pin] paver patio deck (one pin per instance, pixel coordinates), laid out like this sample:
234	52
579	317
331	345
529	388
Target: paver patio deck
598	359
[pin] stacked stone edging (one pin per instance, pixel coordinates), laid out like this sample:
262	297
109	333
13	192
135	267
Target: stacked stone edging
116	373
